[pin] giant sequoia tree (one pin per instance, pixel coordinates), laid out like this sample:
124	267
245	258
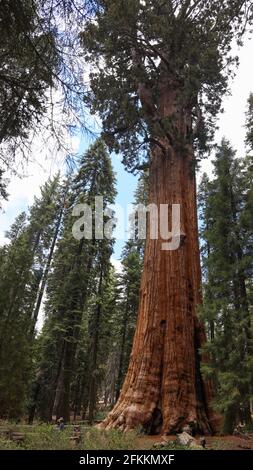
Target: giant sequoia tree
157	65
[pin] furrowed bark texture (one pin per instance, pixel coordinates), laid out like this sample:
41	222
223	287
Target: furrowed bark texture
163	389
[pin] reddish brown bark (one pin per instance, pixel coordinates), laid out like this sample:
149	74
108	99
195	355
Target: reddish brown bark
163	389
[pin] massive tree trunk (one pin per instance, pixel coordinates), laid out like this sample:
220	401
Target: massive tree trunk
163	389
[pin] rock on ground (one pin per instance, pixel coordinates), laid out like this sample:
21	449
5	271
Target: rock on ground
185	439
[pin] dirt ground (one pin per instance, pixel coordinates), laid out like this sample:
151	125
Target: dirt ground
212	442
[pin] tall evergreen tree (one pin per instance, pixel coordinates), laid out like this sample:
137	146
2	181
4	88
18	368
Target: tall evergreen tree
20	275
227	284
78	264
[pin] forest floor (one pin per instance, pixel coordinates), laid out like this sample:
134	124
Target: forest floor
212	442
48	437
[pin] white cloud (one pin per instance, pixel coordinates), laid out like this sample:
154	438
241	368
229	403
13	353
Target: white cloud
117	265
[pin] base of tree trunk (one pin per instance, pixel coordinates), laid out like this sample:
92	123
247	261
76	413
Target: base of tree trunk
166	404
128	416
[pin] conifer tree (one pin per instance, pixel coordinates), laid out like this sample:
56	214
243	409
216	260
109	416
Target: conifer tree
227	284
78	264
20	275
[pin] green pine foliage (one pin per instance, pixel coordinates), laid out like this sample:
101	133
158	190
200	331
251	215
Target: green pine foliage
28	63
23	260
75	294
152	48
227	256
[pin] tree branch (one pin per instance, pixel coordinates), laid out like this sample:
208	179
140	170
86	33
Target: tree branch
192	8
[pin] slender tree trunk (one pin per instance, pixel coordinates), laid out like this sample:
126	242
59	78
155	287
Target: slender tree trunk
94	355
251	406
45	275
122	351
163	389
69	367
34	398
83	396
85	406
211	322
56	411
230	420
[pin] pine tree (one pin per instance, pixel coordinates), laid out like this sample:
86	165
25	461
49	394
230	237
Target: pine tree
102	314
206	221
77	265
49	244
20	275
227	284
163	63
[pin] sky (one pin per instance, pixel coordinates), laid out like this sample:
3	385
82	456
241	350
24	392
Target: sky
231	123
